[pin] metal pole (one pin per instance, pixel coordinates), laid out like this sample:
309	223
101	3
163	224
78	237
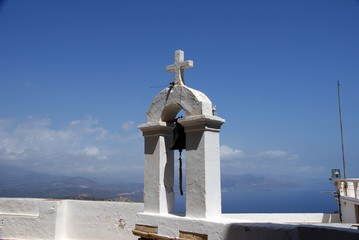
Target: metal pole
339	205
341	129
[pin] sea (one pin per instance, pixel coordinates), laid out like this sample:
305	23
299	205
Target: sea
281	200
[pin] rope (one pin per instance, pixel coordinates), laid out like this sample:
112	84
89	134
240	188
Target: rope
180	171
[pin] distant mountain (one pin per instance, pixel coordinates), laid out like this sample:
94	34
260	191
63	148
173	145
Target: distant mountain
17	182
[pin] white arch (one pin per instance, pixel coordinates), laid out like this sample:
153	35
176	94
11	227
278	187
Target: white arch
170	101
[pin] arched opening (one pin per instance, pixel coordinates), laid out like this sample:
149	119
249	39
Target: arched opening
170	114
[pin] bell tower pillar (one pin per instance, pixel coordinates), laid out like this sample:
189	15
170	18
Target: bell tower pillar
158	168
203	177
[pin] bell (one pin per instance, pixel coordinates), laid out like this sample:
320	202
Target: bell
179	143
179	138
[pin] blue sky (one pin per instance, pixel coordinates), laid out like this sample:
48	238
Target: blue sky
77	77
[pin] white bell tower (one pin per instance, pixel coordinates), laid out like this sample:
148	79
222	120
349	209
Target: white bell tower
203	185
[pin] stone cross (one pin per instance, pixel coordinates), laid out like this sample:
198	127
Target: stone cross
179	66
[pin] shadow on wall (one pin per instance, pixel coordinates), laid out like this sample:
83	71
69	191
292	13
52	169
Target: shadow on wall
252	231
151	145
329	218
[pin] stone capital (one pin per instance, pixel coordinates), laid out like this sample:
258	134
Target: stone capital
201	123
156	129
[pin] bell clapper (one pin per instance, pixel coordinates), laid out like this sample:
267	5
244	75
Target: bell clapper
180	171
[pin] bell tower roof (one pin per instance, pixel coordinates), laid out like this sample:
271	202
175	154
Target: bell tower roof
178	96
171	100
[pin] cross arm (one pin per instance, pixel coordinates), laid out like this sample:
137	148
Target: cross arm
170	68
187	64
182	65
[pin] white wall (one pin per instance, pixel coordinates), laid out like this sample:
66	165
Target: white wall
284	217
26	218
348	210
100	220
75	219
252	226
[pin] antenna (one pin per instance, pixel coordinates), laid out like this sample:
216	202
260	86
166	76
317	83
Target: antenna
341	129
159	86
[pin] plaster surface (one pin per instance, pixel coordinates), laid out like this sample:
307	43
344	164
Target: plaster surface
252	226
23	218
100	220
348	190
26	218
203	181
179	66
203	193
159	168
171	100
282	217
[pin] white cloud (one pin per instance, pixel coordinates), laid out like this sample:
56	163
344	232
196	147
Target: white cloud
128	126
273	162
91	151
6	123
229	153
82	146
311	169
278	154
